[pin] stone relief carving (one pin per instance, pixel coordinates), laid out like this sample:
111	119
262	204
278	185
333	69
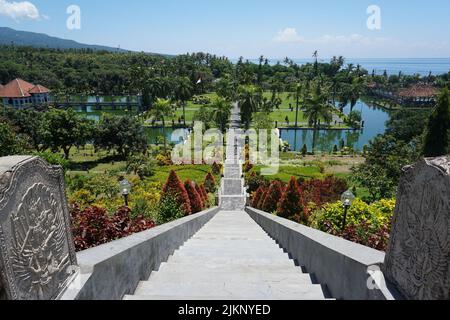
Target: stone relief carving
36	246
38	243
418	258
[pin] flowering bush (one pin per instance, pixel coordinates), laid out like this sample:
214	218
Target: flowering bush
367	224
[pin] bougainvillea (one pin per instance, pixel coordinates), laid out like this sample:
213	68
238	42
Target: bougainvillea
291	203
272	197
210	183
176	190
194	198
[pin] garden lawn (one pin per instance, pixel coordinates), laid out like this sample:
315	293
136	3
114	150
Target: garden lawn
196	173
286	172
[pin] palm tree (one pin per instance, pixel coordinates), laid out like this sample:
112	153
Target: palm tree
316	107
182	93
296	92
249	99
221	113
161	110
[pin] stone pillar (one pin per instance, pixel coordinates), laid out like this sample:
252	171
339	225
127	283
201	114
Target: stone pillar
37	253
418	258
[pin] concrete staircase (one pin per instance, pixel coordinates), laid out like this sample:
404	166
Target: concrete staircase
231	257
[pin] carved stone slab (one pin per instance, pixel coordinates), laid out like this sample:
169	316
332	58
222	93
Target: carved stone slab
418	258
37	254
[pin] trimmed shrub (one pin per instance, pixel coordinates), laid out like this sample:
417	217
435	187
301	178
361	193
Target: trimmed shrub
291	204
216	169
273	196
257	197
194	198
175	189
210	183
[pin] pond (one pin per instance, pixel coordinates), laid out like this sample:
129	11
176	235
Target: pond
153	134
375	123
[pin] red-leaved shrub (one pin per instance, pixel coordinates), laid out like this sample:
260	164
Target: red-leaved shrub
210	183
92	226
291	203
257	197
194	198
272	197
176	190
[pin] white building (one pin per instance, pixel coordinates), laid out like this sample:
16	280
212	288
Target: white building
20	94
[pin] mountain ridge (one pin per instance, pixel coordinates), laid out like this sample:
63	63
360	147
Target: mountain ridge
42	40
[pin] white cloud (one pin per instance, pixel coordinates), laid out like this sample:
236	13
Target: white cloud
19	10
288	35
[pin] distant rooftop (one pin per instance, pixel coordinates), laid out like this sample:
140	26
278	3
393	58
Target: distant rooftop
19	88
418	91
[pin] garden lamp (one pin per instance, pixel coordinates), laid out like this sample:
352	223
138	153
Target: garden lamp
125	189
347	199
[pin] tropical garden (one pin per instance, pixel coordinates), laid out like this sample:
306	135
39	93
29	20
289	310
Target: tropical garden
177	91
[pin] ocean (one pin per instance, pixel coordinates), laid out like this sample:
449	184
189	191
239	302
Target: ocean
408	66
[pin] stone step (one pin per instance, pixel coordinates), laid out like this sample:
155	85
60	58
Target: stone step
232	187
206	267
233	203
234	290
218	252
232	260
232	276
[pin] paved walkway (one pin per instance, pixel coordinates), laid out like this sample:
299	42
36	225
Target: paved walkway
231	257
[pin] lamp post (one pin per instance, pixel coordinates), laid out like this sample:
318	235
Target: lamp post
347	200
125	189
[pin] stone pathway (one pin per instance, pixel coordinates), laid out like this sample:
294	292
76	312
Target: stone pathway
231	257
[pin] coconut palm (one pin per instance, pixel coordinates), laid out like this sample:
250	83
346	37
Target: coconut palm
182	93
221	113
161	110
249	100
316	107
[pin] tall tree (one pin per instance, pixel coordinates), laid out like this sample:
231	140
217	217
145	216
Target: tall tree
182	93
438	128
249	99
161	110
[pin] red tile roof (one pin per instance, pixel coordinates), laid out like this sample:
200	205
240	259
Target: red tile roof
19	88
418	91
39	89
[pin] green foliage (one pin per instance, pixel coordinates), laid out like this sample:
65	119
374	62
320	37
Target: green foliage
438	128
63	129
125	135
53	159
168	210
376	214
353	120
10	143
141	165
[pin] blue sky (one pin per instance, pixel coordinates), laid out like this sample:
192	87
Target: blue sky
274	28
